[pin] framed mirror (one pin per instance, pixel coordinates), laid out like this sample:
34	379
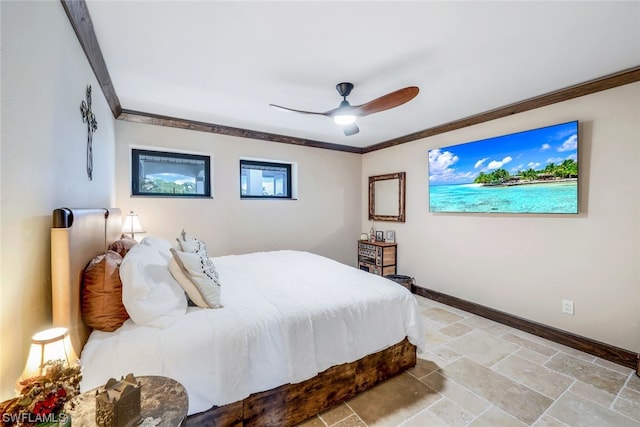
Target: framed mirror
386	197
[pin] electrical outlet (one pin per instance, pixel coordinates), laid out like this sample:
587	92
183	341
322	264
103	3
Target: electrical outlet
567	306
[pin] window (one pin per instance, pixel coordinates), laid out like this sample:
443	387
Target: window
164	174
264	179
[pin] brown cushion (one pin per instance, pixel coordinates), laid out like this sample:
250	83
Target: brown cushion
123	245
102	306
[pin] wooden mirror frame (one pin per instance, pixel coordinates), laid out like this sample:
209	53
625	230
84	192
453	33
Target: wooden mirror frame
400	176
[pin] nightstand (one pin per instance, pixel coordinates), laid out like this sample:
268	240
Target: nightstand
377	257
160	397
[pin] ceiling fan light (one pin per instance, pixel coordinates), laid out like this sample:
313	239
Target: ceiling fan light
344	119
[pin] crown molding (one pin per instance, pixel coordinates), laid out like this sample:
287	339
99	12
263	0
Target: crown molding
610	81
159	120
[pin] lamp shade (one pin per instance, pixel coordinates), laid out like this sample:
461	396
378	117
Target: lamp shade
132	225
50	344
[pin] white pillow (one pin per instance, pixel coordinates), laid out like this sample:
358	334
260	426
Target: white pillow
150	294
161	245
190	244
197	275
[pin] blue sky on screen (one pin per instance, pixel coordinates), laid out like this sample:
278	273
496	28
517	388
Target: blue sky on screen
461	164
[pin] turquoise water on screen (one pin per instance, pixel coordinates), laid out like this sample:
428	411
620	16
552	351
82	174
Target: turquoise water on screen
561	197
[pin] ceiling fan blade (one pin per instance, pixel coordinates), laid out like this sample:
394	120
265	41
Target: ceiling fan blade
351	129
279	107
340	114
385	102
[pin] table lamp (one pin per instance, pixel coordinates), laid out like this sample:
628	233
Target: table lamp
50	344
132	225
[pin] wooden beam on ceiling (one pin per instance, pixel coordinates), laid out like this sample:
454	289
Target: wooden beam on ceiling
155	119
78	15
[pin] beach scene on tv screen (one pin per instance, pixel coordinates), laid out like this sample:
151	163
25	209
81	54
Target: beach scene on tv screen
535	171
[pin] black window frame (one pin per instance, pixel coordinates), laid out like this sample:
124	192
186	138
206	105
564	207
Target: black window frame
267	163
135	172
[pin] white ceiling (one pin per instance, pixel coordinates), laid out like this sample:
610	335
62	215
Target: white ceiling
224	62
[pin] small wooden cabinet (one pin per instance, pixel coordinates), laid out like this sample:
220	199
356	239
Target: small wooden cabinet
377	257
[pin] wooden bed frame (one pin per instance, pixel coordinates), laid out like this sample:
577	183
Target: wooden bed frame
79	235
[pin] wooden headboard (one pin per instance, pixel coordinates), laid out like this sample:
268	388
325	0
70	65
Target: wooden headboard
77	236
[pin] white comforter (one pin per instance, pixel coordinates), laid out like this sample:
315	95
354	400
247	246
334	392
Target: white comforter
287	316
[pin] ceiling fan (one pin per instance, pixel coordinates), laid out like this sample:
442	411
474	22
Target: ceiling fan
346	114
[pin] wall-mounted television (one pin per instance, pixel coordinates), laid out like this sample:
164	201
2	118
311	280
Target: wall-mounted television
535	171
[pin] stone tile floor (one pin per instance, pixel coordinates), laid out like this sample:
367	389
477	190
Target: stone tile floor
477	372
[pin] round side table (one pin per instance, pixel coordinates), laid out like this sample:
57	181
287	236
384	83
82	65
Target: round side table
160	397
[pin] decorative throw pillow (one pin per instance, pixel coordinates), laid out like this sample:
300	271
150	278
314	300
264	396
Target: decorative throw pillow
190	244
123	245
197	275
101	298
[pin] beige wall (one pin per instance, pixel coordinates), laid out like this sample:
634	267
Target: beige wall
325	219
44	76
526	264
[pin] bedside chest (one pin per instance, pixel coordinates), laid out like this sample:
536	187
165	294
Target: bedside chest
160	397
377	257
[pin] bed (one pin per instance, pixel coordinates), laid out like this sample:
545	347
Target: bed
297	334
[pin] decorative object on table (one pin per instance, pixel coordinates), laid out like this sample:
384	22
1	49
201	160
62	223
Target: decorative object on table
379	236
118	403
372	232
132	225
364	236
163	401
43	397
390	236
92	125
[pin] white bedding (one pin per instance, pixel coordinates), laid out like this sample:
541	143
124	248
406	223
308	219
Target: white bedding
287	316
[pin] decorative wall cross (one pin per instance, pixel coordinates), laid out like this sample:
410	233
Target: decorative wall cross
92	125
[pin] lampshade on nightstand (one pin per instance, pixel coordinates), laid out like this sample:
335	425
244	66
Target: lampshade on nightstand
132	225
50	344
